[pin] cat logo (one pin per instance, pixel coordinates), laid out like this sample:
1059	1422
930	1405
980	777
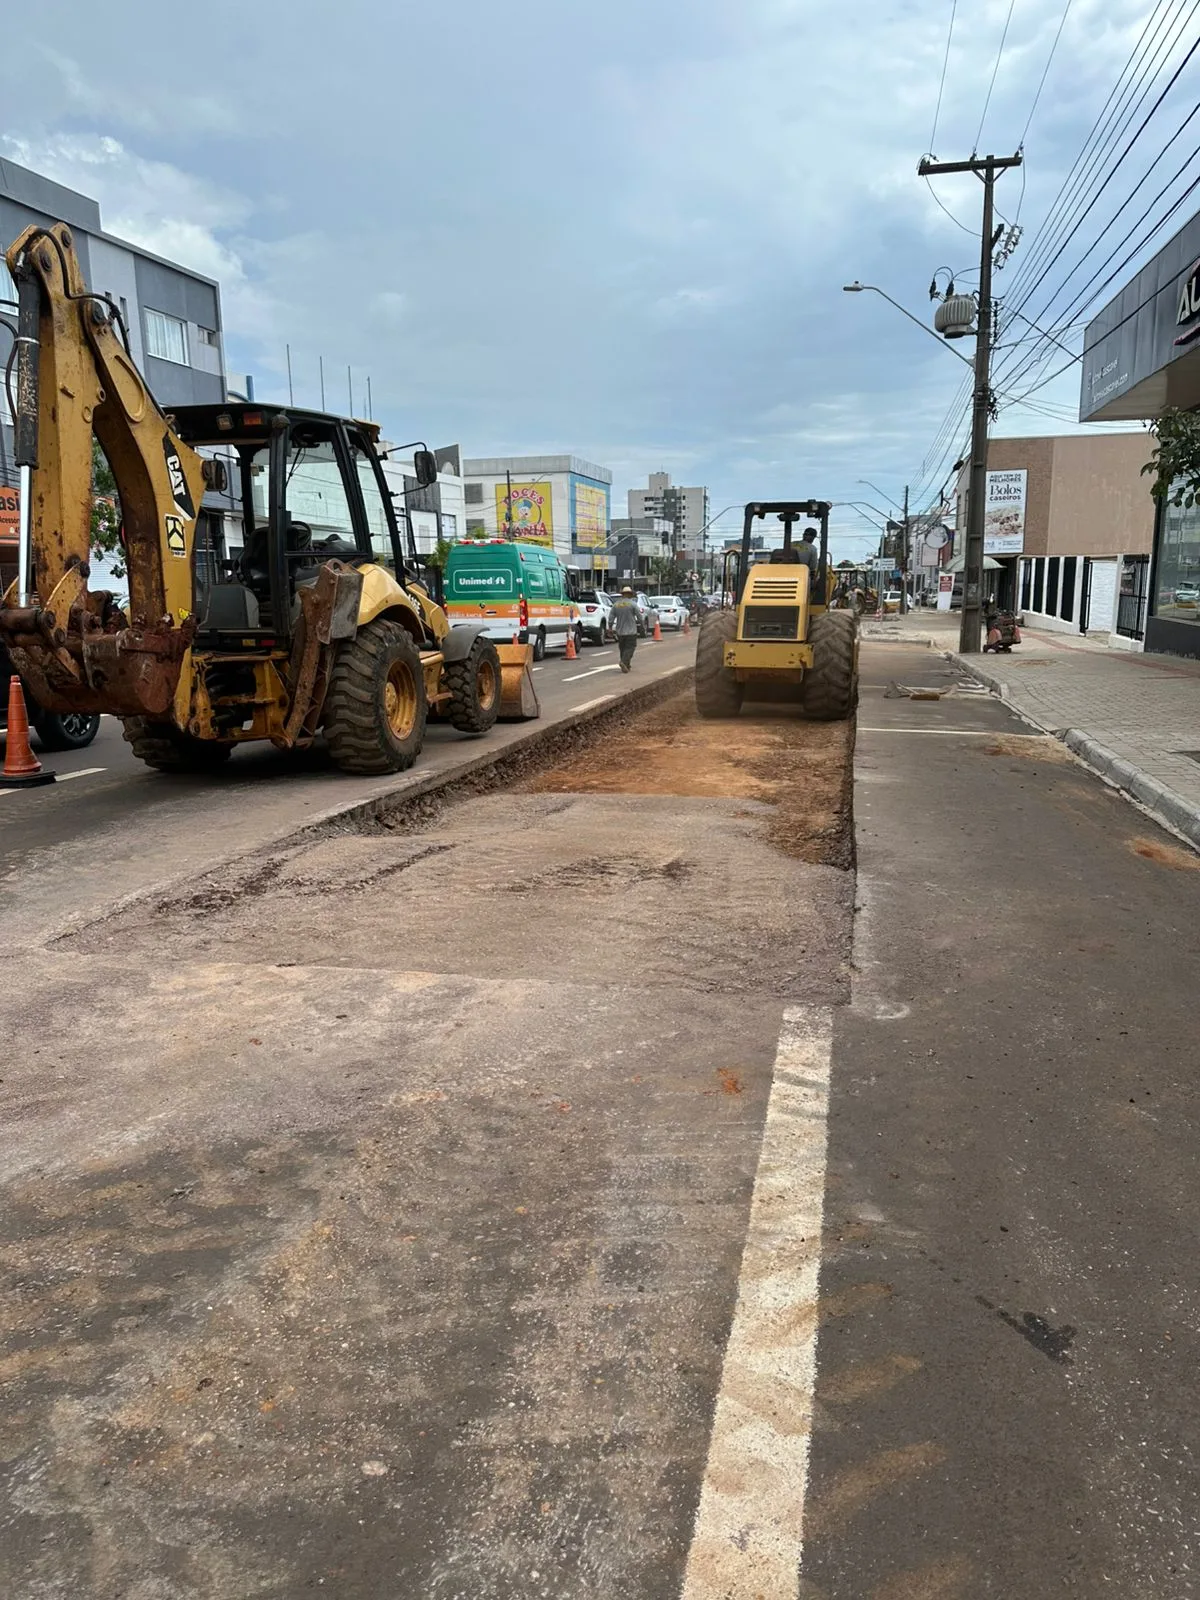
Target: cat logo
176	543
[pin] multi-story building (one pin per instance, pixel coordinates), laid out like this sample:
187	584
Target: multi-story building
686	509
173	315
1069	524
561	501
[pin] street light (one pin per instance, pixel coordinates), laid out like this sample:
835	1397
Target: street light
895	504
857	288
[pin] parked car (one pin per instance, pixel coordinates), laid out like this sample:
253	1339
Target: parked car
891	600
594	606
646	614
671	610
71	731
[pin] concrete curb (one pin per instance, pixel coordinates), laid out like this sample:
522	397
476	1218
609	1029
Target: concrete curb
1179	816
472	774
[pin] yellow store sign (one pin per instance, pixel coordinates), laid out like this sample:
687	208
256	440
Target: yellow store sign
532	517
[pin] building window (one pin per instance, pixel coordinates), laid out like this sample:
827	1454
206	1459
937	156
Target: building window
473	494
1026	583
1052	586
449	525
1177	574
8	289
1039	566
209	336
166	338
1066	609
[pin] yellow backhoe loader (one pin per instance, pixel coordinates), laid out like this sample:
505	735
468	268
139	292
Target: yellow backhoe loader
779	639
319	623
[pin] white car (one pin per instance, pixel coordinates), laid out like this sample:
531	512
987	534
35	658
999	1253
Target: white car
672	613
593	607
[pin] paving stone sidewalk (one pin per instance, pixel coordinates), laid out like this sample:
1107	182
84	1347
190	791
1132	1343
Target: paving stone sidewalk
1135	719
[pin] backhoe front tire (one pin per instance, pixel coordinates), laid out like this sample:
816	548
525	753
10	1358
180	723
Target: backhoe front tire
718	692
474	685
376	709
166	748
830	688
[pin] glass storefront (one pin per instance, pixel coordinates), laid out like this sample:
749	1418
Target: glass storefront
1177	571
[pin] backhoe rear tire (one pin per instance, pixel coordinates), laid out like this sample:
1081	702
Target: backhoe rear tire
830	688
376	709
718	692
474	684
166	748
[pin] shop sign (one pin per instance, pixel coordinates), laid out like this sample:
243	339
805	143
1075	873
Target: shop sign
1004	513
1188	315
532	519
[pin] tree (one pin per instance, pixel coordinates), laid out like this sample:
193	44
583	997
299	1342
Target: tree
1175	462
106	513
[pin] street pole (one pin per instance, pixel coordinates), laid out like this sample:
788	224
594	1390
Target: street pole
508	507
985	168
904	559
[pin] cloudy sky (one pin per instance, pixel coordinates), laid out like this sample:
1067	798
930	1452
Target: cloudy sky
618	228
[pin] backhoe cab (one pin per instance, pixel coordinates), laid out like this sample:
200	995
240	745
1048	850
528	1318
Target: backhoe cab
779	639
320	623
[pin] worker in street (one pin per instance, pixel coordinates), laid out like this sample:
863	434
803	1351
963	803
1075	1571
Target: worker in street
623	621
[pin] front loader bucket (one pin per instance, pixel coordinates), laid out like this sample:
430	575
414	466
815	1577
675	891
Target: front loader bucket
518	697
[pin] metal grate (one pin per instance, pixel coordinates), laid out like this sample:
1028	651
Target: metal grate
771	622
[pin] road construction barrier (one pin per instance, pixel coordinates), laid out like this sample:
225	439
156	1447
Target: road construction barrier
572	653
22	769
657	630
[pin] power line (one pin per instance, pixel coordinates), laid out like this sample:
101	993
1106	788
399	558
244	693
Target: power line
1079	301
937	110
987	102
1045	73
1116	166
1075	183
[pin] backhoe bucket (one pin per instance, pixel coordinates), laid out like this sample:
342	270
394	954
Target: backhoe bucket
518	697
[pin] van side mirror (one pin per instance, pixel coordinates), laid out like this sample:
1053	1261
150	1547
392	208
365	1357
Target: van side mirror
425	467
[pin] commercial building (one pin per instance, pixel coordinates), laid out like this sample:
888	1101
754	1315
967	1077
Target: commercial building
438	511
173	315
560	501
1070	521
686	509
1141	355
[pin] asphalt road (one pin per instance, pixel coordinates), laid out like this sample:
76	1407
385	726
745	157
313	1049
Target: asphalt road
1006	1397
114	825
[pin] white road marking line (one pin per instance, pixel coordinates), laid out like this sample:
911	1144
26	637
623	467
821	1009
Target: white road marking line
588	704
535	669
591	672
747	1541
84	772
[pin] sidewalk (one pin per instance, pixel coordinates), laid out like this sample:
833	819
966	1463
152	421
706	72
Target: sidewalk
1134	719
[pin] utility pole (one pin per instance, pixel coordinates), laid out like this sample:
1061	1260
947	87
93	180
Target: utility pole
904	559
985	168
508	522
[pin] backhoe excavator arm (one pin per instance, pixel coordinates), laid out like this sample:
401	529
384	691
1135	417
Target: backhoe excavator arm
76	379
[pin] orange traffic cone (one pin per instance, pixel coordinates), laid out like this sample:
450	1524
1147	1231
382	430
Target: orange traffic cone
657	630
22	768
572	653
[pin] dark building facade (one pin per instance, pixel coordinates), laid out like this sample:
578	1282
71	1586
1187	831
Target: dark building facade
1141	355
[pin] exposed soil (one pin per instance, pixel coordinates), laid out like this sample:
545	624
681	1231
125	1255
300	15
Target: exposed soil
802	770
1029	747
1165	855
